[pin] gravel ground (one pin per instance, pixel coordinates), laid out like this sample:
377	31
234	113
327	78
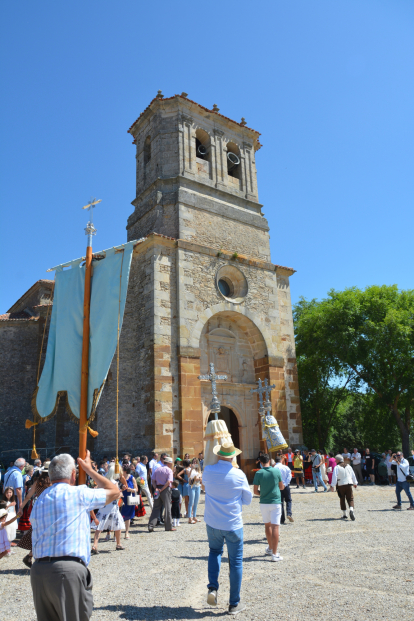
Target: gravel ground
332	567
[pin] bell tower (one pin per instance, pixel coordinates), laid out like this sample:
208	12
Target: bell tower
196	177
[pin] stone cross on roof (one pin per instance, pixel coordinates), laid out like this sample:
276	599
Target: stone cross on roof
212	377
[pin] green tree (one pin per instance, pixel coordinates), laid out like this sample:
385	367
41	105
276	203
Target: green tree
324	383
367	339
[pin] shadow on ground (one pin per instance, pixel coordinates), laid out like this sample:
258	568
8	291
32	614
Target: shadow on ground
15	572
161	613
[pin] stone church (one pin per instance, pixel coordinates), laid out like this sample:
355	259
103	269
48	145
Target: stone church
202	289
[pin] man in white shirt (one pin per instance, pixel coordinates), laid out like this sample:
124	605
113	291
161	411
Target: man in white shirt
403	470
347	456
391	476
227	490
357	466
344	478
285	493
141	468
152	463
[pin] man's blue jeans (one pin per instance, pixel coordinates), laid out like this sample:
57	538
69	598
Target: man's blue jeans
317	476
403	485
234	541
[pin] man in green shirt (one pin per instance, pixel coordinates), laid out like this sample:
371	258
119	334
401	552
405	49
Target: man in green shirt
270	482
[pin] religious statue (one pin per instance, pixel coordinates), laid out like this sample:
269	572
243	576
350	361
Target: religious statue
216	430
270	429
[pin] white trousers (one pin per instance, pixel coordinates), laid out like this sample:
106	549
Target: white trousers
147	493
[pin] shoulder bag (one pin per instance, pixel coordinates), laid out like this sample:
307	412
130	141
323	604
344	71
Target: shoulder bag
408	477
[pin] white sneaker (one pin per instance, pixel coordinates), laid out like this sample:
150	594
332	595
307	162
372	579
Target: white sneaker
268	551
276	557
212	597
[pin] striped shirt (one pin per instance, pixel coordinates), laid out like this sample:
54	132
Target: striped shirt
61	522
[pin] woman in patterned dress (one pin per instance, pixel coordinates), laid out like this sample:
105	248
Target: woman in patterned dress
108	517
42	483
129	487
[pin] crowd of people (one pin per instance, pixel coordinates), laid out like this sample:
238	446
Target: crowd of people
55	517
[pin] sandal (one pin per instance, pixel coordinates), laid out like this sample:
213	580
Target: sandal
119	547
126	536
94	551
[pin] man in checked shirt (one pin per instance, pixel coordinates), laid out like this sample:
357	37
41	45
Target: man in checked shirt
60	578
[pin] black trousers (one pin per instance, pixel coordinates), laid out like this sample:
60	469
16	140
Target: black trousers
286	498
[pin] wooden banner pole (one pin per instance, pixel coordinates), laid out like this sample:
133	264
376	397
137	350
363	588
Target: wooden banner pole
83	418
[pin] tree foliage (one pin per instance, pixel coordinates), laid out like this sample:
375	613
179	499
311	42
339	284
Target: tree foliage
356	341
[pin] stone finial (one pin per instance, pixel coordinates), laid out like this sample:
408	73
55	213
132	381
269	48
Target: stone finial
243	121
183	94
215	108
160	95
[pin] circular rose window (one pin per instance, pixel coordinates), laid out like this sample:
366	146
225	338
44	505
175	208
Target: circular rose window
231	283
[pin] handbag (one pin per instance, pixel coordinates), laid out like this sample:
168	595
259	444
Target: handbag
134	500
329	470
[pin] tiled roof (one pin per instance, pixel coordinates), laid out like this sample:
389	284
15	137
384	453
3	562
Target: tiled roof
283	267
197	104
23	316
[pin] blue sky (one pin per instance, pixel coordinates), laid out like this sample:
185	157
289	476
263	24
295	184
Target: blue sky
329	84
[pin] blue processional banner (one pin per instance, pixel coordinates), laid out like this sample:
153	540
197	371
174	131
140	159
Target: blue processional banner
61	375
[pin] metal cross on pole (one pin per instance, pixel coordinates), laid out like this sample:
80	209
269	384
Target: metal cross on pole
260	390
263	389
83	409
268	390
90	229
212	377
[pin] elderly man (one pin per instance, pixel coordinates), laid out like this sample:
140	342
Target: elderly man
14	478
226	490
161	482
403	471
141	469
60	579
344	478
37	464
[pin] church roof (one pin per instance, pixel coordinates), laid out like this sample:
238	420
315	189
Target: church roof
211	111
22	316
15	308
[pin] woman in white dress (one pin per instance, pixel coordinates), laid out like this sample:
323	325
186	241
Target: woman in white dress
10	499
108	518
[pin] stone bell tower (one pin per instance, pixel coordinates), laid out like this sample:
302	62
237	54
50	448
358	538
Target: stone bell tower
202	288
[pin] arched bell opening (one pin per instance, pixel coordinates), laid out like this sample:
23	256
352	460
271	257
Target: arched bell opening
203	146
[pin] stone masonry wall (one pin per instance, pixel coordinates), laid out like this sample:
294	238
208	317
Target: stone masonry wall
18	366
219	232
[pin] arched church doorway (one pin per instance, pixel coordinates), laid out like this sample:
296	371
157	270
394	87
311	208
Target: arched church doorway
232	423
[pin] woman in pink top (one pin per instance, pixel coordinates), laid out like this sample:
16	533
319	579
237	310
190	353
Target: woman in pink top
331	466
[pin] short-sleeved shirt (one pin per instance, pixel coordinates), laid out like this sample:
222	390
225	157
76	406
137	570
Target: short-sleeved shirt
142	471
161	476
268	479
316	461
14	478
61	522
